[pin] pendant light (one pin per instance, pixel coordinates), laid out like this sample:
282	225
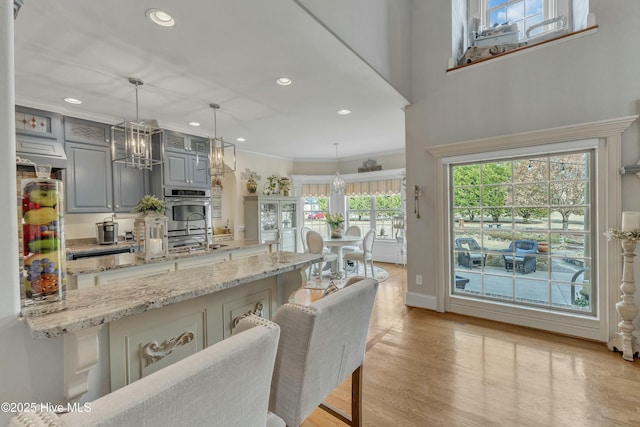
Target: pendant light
131	142
337	183
218	147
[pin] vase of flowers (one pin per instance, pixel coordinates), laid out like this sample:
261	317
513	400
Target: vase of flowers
336	224
252	185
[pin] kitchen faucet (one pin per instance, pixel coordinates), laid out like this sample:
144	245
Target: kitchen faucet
206	228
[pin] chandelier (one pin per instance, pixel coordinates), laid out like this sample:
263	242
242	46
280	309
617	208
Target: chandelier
131	141
217	148
337	183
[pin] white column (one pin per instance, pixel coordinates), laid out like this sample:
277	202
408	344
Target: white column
624	339
10	289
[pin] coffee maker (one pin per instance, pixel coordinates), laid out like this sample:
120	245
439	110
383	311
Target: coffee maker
107	232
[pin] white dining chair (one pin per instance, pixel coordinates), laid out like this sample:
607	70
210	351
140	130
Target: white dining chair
303	236
315	243
365	255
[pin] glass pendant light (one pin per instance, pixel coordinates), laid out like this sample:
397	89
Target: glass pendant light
131	141
337	183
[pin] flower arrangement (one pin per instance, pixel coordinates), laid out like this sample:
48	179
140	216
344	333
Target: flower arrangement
619	234
149	204
335	220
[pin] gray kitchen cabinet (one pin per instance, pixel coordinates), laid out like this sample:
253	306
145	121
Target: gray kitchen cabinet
38	123
186	170
89	185
272	218
129	186
94	183
86	132
183	143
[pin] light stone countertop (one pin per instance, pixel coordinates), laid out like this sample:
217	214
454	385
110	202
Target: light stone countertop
85	308
112	262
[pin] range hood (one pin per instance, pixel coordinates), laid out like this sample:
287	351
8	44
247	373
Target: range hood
39	138
41	151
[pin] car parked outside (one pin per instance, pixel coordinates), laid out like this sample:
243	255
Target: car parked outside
315	215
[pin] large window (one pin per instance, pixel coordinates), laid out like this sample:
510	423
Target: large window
380	213
522	231
313	211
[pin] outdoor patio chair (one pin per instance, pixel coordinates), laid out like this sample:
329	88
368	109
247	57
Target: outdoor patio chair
521	255
470	253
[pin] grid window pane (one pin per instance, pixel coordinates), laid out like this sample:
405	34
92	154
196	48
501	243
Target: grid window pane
529	241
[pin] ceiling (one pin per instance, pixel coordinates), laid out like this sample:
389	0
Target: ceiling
227	52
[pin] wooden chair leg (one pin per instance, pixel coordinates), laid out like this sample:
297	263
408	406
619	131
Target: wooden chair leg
355	419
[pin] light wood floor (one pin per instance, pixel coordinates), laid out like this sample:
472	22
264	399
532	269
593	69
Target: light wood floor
425	368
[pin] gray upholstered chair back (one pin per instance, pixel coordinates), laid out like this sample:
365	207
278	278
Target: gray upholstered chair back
226	384
320	346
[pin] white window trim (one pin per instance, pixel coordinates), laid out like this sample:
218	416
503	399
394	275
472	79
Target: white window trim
608	134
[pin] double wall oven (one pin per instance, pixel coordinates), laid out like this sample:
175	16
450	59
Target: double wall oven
189	213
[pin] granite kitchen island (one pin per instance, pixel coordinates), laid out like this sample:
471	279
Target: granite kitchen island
156	320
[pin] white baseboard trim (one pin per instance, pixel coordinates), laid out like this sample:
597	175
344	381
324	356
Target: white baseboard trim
414	299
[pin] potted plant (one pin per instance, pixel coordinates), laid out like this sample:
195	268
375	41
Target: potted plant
336	223
273	182
285	185
252	185
149	204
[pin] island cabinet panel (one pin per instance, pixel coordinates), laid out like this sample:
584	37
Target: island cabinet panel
151	341
258	303
144	343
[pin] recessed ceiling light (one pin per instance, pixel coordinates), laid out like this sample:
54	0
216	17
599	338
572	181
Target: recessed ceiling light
194	124
344	112
283	81
160	17
240	139
73	100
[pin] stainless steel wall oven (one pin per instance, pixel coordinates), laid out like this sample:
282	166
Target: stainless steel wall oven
189	214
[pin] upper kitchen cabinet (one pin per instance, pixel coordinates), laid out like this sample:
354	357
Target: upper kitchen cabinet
182	143
186	170
89	178
38	123
94	183
186	162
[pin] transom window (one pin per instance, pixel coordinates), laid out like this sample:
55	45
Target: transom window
522	231
526	14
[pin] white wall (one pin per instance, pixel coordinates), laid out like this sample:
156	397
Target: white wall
577	81
328	167
377	30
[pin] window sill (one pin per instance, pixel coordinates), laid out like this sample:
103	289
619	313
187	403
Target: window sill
565	37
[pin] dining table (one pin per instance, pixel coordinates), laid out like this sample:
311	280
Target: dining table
336	245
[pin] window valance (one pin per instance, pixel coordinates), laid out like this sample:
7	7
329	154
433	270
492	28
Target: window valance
315	190
385	186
